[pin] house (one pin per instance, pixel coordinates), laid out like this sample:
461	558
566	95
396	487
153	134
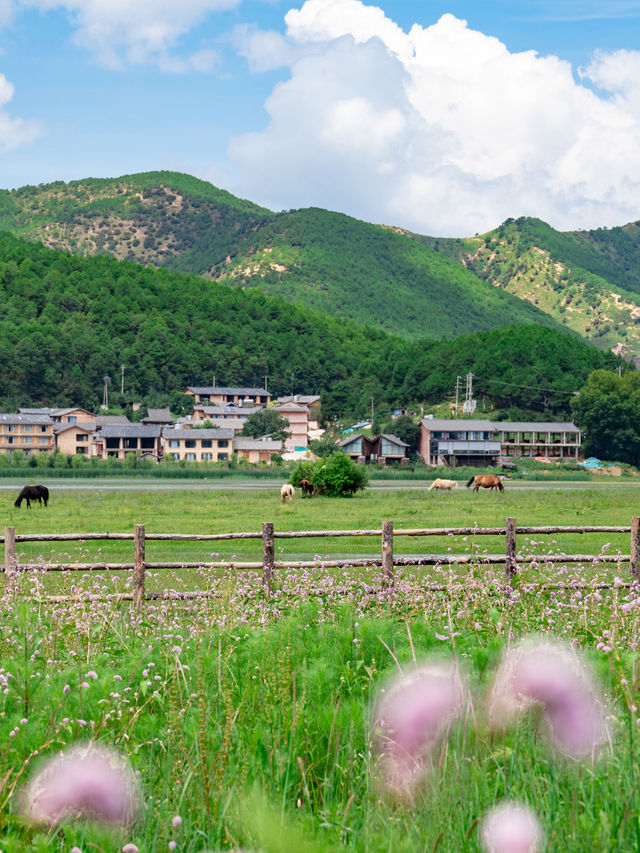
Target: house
217	396
158	416
298	417
120	440
74	438
29	433
62	416
256	449
482	442
198	445
202	412
381	448
311	401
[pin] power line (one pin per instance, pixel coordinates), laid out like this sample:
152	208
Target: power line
530	387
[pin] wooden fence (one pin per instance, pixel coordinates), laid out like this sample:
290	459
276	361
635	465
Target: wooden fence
387	560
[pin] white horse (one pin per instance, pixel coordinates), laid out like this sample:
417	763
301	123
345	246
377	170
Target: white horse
287	493
443	484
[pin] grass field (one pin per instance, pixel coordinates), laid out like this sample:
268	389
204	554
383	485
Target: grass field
248	716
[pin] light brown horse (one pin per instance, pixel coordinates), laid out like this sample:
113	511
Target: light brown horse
486	481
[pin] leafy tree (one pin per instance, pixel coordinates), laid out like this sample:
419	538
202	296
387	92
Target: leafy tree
325	445
608	410
406	429
338	476
266	422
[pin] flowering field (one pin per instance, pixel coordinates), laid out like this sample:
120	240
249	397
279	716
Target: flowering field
246	721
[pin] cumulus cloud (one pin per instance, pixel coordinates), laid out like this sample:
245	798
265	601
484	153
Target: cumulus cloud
138	31
13	131
441	129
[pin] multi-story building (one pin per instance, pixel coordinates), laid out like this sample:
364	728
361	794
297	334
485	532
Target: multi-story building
120	440
198	445
215	396
472	442
29	433
298	418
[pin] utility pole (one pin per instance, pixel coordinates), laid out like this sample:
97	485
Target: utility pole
122	380
105	396
266	380
214	381
469	405
458	381
372	411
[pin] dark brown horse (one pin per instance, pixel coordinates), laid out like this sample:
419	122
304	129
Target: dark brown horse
486	481
33	493
308	489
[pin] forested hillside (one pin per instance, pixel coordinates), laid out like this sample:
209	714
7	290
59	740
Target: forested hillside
589	281
68	321
327	261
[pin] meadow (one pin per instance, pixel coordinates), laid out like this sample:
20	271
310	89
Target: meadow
248	715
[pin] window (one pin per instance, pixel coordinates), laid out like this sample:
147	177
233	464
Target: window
207	457
223	442
175	456
206	442
223	457
10	440
390	449
173	442
44	428
26	428
80	437
82	450
26	439
190	457
190	442
73	419
44	441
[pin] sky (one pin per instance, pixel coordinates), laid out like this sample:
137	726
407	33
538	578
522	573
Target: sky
442	117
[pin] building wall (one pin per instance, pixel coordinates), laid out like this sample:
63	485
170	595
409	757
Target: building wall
74	441
191	448
30	438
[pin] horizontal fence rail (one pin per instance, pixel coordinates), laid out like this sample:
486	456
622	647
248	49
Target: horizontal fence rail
387	560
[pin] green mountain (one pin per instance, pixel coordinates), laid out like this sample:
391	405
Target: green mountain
587	280
68	321
326	261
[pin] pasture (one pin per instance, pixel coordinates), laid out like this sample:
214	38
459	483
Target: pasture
248	716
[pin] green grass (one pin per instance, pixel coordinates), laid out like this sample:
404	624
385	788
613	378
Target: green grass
215	709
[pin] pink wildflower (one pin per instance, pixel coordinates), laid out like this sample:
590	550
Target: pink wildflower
87	781
511	828
412	715
553	677
176	821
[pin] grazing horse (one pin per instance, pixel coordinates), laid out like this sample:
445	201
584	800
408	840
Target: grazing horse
447	485
33	493
308	489
486	481
288	493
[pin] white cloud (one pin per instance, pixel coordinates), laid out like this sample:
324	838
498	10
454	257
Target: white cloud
440	129
138	31
13	131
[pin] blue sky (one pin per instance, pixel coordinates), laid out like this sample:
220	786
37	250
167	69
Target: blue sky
396	112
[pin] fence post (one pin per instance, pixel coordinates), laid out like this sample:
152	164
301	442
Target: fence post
268	555
634	562
138	564
510	563
387	553
10	561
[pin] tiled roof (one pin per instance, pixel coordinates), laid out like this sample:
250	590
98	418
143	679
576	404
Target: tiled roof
10	418
131	430
242	443
244	392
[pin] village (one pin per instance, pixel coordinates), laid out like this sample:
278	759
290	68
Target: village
212	432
